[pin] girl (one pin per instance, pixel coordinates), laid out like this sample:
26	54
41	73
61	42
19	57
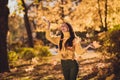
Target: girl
68	47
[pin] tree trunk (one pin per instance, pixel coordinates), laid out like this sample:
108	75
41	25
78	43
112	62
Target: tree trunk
99	12
4	12
62	10
103	26
106	15
27	25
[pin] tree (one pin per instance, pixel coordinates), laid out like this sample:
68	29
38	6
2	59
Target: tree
103	24
59	11
27	25
4	12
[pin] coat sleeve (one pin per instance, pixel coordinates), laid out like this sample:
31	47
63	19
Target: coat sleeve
78	48
52	38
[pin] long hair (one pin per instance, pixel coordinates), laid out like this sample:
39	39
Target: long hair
69	42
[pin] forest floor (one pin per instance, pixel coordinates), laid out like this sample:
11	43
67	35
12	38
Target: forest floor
92	66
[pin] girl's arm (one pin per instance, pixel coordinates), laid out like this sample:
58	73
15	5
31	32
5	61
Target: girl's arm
52	38
78	48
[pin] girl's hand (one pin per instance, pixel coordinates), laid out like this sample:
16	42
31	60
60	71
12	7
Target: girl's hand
96	44
47	21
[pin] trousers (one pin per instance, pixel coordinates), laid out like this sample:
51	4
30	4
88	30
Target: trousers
70	69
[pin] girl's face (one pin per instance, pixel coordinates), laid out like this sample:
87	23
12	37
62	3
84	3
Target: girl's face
64	28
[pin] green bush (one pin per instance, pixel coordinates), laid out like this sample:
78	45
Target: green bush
29	53
26	53
12	56
42	51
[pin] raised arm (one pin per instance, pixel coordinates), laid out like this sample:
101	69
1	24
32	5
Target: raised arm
80	50
78	47
52	38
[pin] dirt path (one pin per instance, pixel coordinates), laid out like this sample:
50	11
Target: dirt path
92	66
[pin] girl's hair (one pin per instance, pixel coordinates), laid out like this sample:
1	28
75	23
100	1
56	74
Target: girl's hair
69	42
